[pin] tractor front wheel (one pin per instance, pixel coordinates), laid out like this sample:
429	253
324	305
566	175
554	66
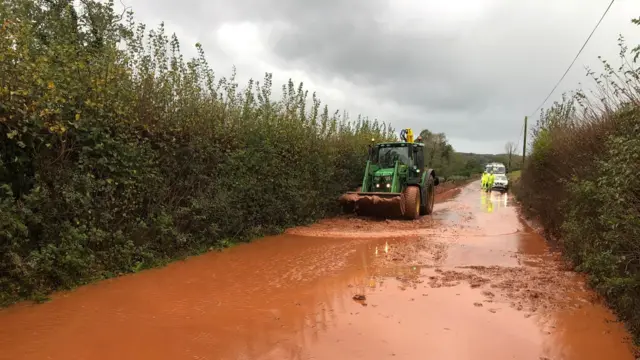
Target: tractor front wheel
429	196
411	202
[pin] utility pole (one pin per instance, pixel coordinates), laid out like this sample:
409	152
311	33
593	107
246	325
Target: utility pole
524	142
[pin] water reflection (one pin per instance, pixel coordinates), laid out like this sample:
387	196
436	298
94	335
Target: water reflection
494	200
487	203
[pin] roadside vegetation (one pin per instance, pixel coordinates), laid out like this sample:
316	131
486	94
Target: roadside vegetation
119	154
582	181
514	179
451	165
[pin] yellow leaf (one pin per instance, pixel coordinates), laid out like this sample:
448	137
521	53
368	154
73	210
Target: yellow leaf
51	85
77	116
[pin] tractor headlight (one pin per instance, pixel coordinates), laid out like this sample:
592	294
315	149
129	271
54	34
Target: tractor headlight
383	181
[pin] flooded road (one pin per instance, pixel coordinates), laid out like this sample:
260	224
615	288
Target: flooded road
470	282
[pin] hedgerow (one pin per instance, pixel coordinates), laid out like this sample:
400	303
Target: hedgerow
118	154
582	181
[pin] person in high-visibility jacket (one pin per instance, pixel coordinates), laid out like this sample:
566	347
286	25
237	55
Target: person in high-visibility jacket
490	179
484	180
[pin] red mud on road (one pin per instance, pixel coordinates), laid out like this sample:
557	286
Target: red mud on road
351	226
470	282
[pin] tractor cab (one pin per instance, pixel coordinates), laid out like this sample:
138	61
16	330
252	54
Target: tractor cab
394	165
405	160
387	155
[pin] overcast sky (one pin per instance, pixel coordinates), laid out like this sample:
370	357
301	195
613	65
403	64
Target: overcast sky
469	68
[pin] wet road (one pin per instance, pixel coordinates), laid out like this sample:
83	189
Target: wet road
470	282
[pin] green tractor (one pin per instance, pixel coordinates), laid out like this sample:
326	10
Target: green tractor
395	183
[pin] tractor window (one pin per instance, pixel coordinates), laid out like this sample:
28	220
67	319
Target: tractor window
387	156
419	160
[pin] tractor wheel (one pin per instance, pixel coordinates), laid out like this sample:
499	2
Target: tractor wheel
430	197
411	202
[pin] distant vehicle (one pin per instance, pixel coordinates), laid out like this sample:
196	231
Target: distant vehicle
501	182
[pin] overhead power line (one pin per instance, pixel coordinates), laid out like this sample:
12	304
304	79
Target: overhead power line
574	59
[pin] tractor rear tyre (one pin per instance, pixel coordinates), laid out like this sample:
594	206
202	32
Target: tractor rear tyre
429	196
411	202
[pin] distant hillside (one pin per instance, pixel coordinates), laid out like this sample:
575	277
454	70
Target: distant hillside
467	164
442	157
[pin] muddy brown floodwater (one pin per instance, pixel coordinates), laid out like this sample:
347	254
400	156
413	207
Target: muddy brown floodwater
472	281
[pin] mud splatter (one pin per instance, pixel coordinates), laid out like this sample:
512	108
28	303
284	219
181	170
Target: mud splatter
372	227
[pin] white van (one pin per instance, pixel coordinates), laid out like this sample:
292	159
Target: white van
500	182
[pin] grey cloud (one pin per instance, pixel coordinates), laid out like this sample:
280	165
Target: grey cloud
361	50
473	82
486	74
435	71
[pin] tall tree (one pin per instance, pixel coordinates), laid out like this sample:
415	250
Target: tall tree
437	149
510	149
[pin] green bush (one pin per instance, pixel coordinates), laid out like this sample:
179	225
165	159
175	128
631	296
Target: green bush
602	230
118	154
581	181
